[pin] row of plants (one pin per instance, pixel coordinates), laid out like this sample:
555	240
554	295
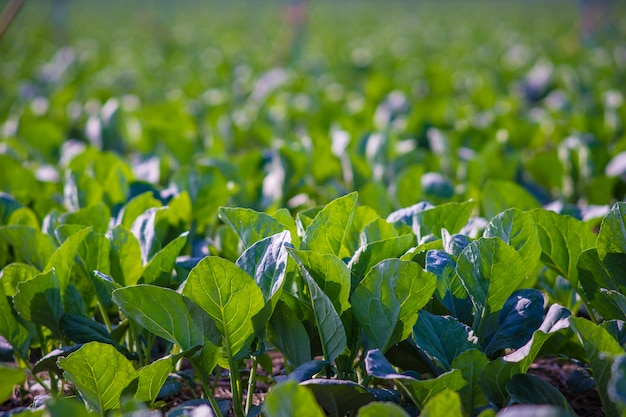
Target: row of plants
400	112
430	309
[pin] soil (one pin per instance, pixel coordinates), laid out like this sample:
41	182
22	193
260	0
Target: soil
555	370
558	372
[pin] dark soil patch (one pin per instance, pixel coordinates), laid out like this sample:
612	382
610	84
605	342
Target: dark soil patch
569	378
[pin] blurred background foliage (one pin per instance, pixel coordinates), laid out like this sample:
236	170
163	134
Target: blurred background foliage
276	104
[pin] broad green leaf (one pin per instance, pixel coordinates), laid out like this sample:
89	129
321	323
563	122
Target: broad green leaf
284	217
97	216
498	195
65	231
308	370
328	229
100	373
617	329
288	399
518	230
421	391
368	256
530	389
167	314
363	215
80	255
81	190
135	207
153	376
29	245
39	300
64	259
377	365
126	266
329	272
180	212
81	329
230	296
601	349
612	235
377	409
562	239
266	262
208	189
599	279
251	226
499	372
329	326
378	229
158	270
304	219
471	363
447	403
24	216
144	229
426	219
450	290
337	397
520	316
287	332
495	377
556	320
406	215
10	327
387	300
442	338
490	271
454	243
449	216
9	378
15	273
226	244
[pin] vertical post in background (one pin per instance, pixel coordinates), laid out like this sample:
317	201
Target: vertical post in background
8	15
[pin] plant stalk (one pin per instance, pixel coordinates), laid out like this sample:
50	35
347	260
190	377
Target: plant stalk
234	386
105	316
251	384
207	391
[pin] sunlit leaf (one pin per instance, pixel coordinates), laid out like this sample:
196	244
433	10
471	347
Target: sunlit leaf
100	373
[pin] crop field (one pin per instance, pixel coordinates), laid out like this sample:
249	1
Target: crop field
313	208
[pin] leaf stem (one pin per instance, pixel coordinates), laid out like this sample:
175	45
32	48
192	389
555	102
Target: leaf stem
217	372
234	385
251	383
105	316
207	391
36	377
